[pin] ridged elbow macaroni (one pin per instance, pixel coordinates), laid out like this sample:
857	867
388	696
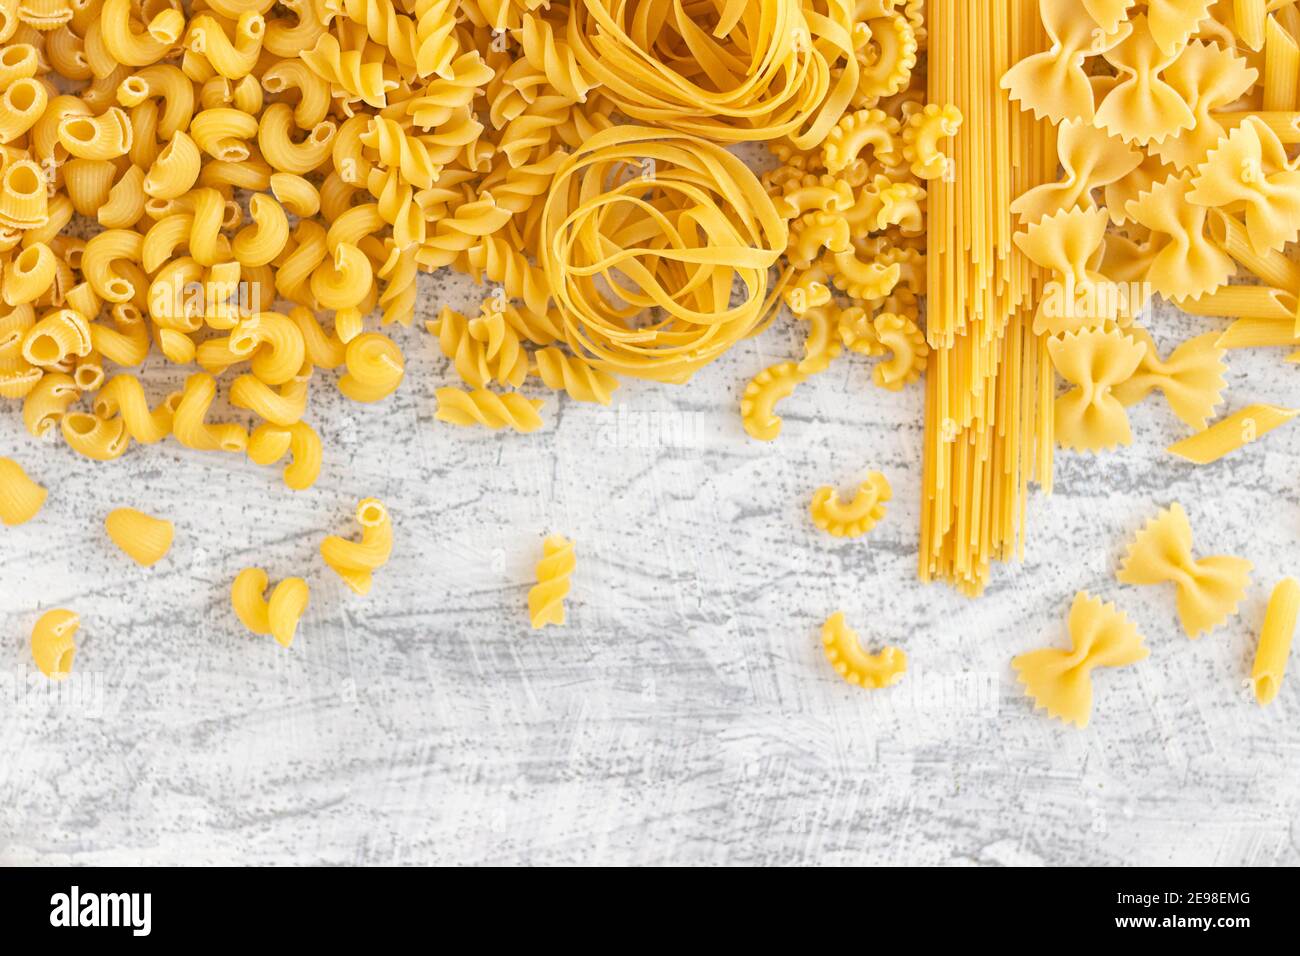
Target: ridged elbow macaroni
143	538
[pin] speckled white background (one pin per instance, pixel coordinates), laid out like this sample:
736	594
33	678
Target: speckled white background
686	713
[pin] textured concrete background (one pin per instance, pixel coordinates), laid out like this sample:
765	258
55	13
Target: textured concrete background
686	714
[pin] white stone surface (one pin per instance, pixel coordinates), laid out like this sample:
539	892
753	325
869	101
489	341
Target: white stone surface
686	713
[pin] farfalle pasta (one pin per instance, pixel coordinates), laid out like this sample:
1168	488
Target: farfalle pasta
1208	589
1060	682
1191	378
1090	416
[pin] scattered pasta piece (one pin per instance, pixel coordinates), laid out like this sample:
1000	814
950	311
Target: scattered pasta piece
853	518
144	539
53	644
1060	682
846	654
356	562
20	497
1275	640
1232	433
1209	589
546	597
758	405
278	617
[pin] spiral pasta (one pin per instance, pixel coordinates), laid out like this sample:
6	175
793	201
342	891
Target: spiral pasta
546	597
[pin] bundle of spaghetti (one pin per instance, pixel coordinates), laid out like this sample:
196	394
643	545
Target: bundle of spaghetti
988	403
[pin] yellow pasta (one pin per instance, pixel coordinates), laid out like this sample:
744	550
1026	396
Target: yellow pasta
279	616
1060	682
546	597
1232	433
1275	640
356	562
143	538
489	409
21	498
851	519
851	661
1209	589
758	404
54	642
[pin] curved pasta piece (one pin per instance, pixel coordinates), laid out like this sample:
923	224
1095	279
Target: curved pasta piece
851	519
1207	77
54	642
858	332
1209	589
1090	159
821	345
758	405
356	562
1192	378
859	132
1275	640
1060	682
280	615
1142	107
1251	168
1089	417
845	653
1184	260
907	350
143	538
20	497
1232	433
1053	83
921	138
546	597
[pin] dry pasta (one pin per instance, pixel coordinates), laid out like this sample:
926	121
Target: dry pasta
1060	682
278	616
54	642
546	597
845	653
21	498
356	562
143	538
1208	589
1275	640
